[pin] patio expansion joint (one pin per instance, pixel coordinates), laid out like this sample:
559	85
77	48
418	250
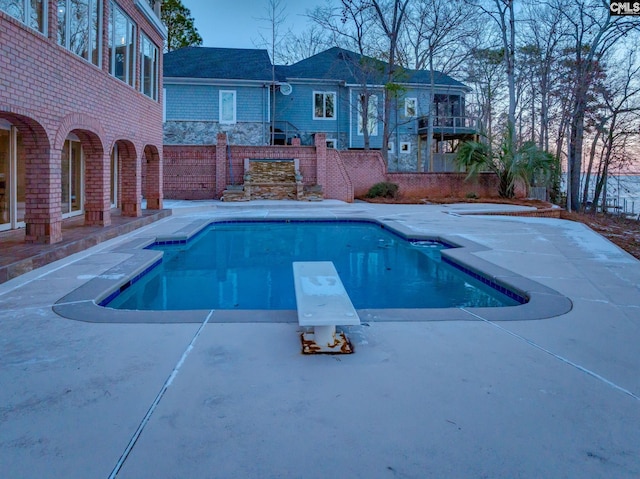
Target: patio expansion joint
158	398
556	356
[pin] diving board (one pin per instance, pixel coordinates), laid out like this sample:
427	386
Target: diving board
322	304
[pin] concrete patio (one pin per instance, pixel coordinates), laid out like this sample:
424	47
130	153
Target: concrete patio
551	398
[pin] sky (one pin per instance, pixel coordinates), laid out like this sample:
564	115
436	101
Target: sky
236	24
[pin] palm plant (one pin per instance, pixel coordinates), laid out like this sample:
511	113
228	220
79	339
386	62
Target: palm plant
509	165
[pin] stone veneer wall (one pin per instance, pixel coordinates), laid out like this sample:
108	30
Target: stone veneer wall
206	133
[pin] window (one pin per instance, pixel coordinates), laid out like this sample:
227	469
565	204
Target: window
79	28
122	43
372	115
227	106
331	143
324	105
148	68
405	147
410	107
391	147
29	12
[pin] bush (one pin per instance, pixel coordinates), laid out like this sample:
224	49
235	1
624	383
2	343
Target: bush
472	195
384	189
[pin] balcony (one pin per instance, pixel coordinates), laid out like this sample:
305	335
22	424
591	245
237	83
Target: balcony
450	127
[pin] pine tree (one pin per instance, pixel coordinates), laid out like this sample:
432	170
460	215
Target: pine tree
181	31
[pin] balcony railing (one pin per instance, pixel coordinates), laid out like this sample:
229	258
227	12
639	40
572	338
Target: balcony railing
449	124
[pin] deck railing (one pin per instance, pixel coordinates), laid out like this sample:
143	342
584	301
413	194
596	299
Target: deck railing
452	124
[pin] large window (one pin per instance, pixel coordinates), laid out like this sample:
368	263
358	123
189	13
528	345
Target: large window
79	28
324	105
148	68
227	106
12	177
29	12
372	115
122	46
410	107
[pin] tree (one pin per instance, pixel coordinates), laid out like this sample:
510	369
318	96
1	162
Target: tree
276	16
507	164
181	31
390	20
593	32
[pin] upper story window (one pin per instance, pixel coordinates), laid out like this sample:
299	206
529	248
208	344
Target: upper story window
410	107
148	67
227	106
122	45
79	28
324	105
29	12
372	115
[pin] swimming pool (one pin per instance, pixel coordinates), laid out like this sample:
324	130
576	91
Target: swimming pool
246	265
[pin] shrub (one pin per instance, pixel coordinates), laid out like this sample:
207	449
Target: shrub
384	189
472	195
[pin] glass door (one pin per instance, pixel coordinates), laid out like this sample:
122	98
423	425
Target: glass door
5	178
72	179
12	178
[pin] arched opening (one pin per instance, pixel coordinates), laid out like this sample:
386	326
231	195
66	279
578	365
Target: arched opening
129	179
28	171
152	178
12	177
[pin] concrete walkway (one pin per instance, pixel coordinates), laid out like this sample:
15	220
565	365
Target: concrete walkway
554	398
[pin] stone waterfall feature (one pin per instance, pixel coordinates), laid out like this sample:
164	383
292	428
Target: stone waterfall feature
269	179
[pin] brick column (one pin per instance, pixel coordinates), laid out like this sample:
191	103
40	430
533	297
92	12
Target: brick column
321	159
154	177
131	186
97	186
43	213
221	164
295	141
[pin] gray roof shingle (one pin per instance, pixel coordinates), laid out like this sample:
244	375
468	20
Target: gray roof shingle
253	64
339	64
218	63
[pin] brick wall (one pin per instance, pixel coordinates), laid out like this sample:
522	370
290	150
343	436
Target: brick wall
48	92
191	172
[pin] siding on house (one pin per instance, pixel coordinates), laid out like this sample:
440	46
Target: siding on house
187	102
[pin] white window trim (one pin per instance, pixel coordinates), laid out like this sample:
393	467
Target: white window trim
220	95
391	147
335	105
27	9
332	143
406	107
404	144
154	74
130	76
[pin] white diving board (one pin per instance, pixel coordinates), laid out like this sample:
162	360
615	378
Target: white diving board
323	304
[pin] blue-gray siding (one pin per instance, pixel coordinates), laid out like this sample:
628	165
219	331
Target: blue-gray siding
201	102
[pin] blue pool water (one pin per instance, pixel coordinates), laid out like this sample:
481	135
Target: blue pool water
247	265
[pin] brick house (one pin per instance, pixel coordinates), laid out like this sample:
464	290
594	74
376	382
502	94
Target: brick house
239	92
80	111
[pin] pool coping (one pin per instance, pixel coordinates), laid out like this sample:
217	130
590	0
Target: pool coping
83	303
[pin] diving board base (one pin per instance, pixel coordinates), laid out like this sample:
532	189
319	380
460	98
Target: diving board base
311	344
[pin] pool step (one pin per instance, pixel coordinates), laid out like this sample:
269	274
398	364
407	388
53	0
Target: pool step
323	304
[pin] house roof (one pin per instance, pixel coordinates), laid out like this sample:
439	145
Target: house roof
218	63
339	64
253	64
